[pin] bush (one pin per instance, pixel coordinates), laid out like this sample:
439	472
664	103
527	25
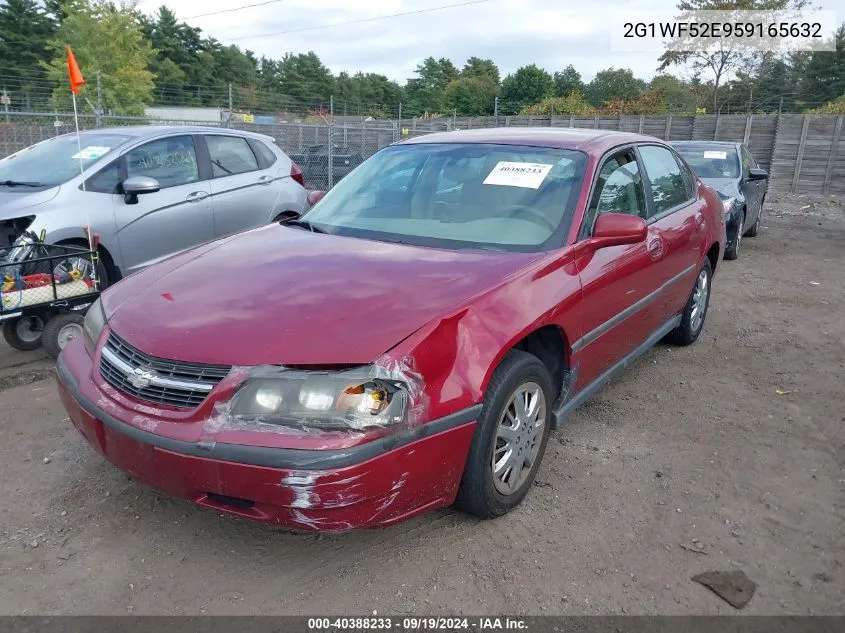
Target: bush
573	103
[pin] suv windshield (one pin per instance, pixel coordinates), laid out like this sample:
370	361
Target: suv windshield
500	197
711	162
56	160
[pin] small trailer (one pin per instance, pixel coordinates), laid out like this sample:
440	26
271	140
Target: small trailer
46	290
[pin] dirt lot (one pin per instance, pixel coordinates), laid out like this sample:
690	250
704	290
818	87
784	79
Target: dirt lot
726	455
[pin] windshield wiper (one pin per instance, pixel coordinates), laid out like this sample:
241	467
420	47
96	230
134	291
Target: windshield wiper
19	183
305	224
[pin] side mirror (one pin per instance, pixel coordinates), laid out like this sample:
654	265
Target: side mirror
616	229
314	197
757	174
138	185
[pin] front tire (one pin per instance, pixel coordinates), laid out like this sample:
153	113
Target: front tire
732	253
510	437
752	232
692	319
24	333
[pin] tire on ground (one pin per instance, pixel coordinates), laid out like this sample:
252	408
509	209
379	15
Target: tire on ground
477	494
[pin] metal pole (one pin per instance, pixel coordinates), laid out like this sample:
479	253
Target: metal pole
399	124
6	103
331	108
99	101
455	119
331	156
780	105
496	107
229	124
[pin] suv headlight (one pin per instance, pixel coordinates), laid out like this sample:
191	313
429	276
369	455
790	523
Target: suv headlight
342	399
95	321
728	205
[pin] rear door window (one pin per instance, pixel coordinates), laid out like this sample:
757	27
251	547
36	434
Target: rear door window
230	155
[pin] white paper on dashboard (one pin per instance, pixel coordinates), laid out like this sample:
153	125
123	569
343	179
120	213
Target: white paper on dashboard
91	152
510	174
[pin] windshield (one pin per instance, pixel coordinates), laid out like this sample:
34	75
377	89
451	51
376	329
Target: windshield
710	162
56	160
499	197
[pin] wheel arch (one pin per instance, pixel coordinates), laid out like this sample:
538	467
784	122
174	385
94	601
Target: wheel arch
551	345
108	260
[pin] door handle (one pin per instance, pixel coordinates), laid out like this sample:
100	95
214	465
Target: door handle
655	248
265	180
196	196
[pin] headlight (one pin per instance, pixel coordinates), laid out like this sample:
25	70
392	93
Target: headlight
95	320
343	399
728	205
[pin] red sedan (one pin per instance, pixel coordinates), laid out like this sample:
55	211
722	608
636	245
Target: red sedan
409	342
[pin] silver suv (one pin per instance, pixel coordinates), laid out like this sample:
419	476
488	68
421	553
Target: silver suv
149	192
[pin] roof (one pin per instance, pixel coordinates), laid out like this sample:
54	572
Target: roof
706	143
148	131
564	138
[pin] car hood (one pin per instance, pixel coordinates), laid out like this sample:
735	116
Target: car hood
13	200
281	295
726	187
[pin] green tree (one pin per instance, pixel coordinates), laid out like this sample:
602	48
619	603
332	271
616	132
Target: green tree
471	96
614	84
427	91
25	29
109	40
721	58
478	68
529	84
823	75
305	79
678	96
568	81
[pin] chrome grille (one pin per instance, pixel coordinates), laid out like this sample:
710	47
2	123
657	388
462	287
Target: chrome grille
157	380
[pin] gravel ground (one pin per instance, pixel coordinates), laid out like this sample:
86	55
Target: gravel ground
729	454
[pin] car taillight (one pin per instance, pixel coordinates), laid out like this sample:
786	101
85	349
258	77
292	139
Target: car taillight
296	173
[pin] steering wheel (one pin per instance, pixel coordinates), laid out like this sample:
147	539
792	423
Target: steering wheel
530	213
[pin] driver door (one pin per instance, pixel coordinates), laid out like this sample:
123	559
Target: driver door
171	220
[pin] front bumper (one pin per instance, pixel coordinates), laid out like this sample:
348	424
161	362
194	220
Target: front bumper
370	485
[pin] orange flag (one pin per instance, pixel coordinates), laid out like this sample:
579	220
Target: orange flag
76	79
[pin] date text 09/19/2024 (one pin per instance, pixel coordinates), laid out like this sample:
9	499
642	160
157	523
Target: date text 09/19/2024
376	623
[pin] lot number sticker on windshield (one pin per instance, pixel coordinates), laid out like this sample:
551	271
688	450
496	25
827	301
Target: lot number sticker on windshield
528	175
91	152
719	155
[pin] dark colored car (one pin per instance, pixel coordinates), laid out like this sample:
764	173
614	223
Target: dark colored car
314	162
399	348
731	170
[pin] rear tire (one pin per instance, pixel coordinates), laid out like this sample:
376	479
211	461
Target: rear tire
695	312
24	333
60	330
509	442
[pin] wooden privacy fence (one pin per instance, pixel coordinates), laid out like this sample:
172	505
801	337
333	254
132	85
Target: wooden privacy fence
803	153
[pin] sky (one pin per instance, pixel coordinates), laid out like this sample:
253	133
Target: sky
513	33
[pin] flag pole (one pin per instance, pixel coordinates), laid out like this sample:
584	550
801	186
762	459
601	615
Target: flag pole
76	80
